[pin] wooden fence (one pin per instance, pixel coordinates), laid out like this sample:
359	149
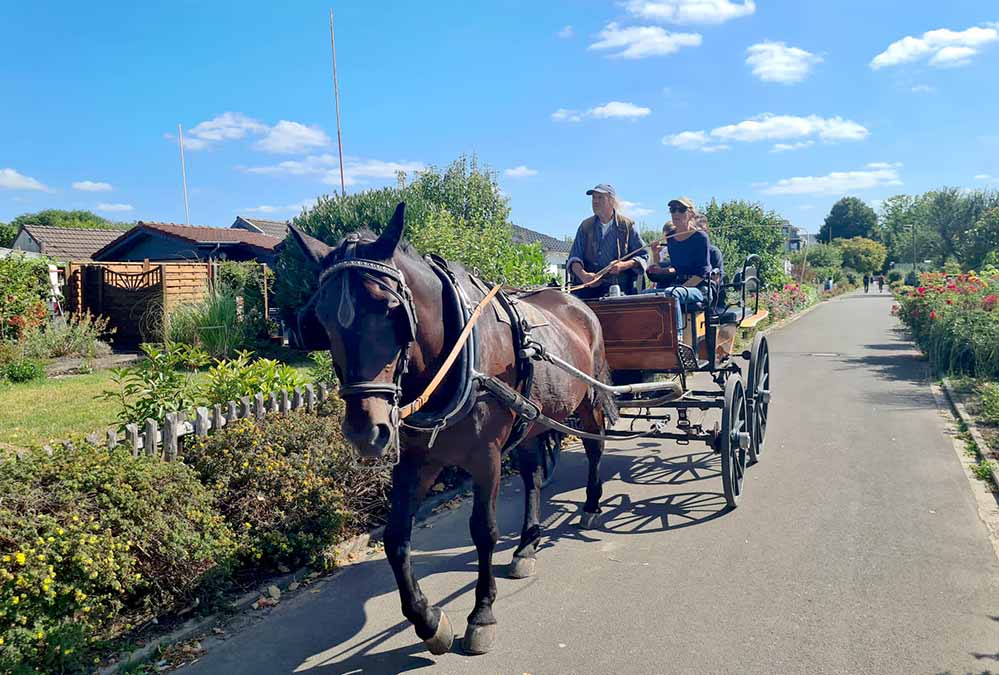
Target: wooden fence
164	441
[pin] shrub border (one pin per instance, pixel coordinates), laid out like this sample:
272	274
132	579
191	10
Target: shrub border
982	448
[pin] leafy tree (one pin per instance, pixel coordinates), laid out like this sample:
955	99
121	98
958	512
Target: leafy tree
740	228
7	235
863	255
463	197
80	220
983	241
849	217
819	255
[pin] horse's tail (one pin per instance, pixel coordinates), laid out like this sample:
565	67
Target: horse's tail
602	400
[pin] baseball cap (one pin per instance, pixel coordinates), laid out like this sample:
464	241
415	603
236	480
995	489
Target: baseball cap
603	188
684	201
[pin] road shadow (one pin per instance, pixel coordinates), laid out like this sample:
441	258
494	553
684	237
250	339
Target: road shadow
676	470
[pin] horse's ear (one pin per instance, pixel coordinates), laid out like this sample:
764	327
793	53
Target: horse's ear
311	247
390	237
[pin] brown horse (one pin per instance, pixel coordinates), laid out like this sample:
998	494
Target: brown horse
385	311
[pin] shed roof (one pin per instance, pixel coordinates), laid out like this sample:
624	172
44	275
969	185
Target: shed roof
523	235
196	234
273	228
63	243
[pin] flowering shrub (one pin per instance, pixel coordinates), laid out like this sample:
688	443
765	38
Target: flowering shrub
24	287
955	320
788	300
92	541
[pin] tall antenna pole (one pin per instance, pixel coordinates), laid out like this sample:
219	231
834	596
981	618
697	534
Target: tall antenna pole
183	174
336	94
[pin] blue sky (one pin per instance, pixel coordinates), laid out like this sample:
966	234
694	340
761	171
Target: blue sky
792	104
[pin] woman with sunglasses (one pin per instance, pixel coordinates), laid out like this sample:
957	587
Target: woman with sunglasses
689	257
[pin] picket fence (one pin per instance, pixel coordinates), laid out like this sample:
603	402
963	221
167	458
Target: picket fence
163	440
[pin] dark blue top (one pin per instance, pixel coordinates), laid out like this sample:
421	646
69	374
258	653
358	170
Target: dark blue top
690	256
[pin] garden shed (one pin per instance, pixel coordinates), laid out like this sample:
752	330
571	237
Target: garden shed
63	243
162	242
272	228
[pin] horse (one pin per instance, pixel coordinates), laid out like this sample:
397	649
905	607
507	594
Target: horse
386	313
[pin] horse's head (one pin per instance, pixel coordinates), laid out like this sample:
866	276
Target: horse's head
366	309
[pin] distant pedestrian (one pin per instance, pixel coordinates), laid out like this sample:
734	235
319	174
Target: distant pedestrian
881	283
867	282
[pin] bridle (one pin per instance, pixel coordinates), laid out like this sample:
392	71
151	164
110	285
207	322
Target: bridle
378	273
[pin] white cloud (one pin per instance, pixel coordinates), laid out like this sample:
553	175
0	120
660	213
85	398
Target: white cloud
312	164
91	186
565	33
520	172
619	109
770	127
289	208
634	209
878	174
943	47
776	62
613	109
355	170
12	180
987	179
228	126
114	208
566	115
690	11
922	89
639	42
785	147
291	137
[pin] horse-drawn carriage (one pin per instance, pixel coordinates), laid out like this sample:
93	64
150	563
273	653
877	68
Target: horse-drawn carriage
641	335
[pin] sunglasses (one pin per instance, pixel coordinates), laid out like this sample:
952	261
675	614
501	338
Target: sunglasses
678	209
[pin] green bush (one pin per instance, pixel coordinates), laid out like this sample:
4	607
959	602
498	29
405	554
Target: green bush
246	280
322	368
25	288
230	379
75	335
23	370
851	276
894	275
92	542
988	402
288	486
163	383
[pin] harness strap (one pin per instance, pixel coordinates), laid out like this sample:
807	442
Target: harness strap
421	400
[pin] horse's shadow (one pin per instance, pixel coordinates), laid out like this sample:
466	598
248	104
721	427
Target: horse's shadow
345	598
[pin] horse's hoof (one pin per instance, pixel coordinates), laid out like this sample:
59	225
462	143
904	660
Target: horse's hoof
479	639
521	568
588	521
442	640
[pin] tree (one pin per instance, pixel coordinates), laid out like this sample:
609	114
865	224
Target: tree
740	228
819	255
80	220
7	235
849	217
862	254
983	239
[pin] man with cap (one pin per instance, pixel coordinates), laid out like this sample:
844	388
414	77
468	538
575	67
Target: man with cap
603	239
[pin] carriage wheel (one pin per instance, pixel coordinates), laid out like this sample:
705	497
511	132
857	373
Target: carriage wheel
758	390
733	440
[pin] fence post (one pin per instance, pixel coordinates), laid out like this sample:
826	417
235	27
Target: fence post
201	421
218	419
285	402
170	437
112	439
244	407
272	402
310	397
150	436
296	399
92	439
258	406
68	446
133	438
322	391
231	414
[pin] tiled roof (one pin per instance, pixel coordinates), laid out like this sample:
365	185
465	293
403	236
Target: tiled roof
214	235
67	244
522	235
273	228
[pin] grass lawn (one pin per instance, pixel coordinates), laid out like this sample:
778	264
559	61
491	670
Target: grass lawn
39	412
35	413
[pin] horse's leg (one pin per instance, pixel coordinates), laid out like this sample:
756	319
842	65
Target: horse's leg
592	421
481	631
529	462
431	623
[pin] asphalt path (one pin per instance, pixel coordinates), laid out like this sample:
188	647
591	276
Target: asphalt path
857	548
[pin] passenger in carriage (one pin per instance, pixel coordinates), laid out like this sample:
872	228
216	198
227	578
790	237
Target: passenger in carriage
689	270
602	240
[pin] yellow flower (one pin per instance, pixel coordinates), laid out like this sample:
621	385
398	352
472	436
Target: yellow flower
86	610
60	531
20	557
15	600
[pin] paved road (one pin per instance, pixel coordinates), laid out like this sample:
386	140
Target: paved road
857	548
